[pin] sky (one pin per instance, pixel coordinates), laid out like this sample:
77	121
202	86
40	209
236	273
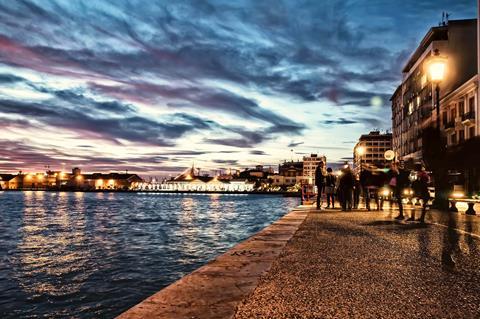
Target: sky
156	86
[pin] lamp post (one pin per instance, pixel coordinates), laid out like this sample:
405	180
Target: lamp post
436	66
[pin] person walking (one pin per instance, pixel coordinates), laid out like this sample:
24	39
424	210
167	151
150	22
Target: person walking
330	182
356	192
420	189
365	184
347	181
380	181
398	181
320	182
338	189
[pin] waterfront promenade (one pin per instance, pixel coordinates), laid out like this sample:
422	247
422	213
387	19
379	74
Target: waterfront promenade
332	264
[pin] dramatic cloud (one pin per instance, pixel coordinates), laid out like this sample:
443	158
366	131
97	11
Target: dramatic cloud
173	82
258	152
340	121
368	122
9	78
226	162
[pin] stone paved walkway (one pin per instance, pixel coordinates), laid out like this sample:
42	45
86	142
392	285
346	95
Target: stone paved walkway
366	265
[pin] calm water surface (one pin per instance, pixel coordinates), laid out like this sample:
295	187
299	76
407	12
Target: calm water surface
94	255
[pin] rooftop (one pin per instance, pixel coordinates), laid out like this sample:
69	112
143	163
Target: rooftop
439	33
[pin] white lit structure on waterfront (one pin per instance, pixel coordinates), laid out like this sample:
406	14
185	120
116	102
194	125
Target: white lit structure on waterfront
188	181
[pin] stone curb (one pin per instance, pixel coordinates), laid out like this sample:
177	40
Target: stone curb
215	290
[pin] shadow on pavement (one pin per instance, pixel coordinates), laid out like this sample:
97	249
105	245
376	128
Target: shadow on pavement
397	223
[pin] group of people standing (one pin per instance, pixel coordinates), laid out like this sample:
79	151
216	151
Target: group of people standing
348	188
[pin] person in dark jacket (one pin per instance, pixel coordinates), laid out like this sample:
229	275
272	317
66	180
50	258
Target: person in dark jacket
320	175
346	185
380	180
357	189
330	182
420	189
366	183
398	181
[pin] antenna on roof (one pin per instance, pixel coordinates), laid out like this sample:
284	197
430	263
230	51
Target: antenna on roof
445	16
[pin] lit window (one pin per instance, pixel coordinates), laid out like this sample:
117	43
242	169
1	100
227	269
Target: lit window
410	108
423	81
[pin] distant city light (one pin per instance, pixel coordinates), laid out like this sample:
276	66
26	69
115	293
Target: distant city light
386	192
360	150
458	194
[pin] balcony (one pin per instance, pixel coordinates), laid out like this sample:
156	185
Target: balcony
468	118
449	125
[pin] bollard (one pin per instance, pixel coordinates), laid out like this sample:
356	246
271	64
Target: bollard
453	206
470	210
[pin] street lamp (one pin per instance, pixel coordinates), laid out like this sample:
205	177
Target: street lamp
436	66
360	150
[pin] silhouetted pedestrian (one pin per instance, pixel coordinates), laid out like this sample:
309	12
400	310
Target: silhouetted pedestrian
366	182
398	181
330	182
320	175
346	187
380	180
420	189
357	189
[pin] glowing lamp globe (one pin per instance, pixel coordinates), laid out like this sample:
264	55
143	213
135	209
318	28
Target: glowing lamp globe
436	67
389	155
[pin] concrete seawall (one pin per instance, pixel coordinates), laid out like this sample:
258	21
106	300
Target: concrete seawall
215	290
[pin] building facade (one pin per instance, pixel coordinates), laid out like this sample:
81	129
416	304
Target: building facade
459	116
289	174
51	180
374	145
413	102
6	181
310	163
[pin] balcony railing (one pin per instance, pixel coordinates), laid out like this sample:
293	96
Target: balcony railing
468	116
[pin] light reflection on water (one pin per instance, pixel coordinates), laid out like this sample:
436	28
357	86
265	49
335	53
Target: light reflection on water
50	256
90	255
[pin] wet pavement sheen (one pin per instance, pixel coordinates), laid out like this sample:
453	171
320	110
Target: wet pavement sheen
366	265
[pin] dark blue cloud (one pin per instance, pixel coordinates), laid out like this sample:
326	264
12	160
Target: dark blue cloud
131	128
257	152
9	78
339	121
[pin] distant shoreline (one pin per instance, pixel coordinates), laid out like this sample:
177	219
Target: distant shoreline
286	194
